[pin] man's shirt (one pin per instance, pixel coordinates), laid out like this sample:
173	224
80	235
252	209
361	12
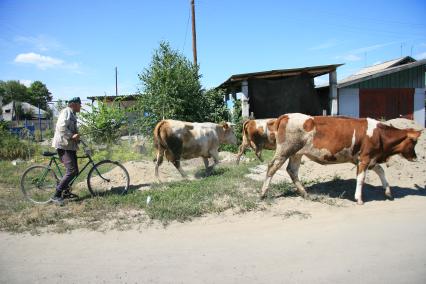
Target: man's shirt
66	127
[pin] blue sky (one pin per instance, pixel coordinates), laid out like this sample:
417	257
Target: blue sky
74	46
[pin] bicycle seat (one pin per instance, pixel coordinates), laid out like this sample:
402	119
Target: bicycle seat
48	154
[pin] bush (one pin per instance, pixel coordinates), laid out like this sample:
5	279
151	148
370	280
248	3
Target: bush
48	133
237	120
12	148
103	123
37	135
4	126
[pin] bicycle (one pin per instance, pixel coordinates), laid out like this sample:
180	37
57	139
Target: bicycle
38	182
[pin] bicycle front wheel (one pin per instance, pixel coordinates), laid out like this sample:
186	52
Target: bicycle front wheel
108	177
38	184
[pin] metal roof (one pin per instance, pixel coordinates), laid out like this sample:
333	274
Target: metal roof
314	71
380	70
385	65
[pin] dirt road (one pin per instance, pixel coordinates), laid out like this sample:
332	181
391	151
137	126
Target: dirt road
295	241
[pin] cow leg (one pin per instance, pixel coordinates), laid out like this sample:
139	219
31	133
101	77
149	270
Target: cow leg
258	151
206	162
159	161
273	167
215	155
361	172
381	173
206	165
177	165
242	150
293	171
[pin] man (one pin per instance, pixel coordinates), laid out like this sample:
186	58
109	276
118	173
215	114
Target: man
65	141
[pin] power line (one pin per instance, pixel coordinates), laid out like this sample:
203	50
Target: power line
186	30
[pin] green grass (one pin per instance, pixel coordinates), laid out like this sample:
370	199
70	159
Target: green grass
226	188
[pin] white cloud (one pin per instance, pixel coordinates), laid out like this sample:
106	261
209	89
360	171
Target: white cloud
41	61
420	56
44	62
27	83
44	43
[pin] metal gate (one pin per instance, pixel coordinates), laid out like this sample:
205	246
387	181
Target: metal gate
386	103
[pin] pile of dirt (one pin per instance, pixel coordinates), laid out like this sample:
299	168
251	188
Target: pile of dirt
403	123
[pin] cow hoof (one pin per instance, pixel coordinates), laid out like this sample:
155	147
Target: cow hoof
389	197
360	202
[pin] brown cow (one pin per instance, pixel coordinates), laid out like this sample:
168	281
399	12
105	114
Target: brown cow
180	140
327	140
258	134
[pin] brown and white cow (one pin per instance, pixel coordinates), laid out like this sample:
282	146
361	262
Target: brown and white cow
180	140
258	134
330	140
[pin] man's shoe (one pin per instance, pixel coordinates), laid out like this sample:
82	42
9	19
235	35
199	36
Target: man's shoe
58	200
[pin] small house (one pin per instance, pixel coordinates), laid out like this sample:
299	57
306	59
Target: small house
388	90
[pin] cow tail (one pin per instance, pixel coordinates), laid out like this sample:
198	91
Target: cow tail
245	130
158	140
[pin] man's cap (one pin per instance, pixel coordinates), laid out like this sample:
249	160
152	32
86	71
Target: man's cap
75	100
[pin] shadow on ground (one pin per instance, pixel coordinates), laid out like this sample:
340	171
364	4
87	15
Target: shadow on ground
345	189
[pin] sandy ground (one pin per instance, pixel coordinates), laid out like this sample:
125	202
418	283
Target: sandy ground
292	241
142	175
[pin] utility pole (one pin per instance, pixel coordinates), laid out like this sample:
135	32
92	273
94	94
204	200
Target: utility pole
116	82
194	33
39	120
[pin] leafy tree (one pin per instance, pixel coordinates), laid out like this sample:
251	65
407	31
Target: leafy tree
21	113
170	89
214	107
36	94
103	123
60	105
13	91
39	94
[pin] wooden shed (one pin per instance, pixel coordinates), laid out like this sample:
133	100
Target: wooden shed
272	93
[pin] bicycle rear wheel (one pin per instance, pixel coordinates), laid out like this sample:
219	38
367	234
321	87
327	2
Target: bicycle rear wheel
108	177
38	184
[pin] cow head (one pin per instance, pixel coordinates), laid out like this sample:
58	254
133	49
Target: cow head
406	147
228	136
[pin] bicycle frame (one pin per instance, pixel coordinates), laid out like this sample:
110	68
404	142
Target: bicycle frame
53	160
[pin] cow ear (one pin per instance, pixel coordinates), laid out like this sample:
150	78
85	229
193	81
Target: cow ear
414	134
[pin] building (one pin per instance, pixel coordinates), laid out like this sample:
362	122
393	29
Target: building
392	89
272	93
123	101
9	111
126	102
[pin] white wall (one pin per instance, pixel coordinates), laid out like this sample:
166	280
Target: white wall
419	106
349	102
